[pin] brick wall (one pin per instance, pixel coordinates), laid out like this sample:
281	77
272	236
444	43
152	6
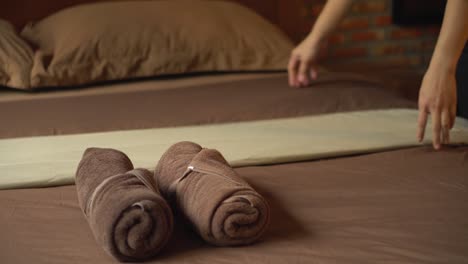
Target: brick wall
367	36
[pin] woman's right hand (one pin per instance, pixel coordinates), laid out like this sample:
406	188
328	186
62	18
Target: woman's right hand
302	67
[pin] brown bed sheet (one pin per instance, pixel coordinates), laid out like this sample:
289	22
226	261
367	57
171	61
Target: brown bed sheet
187	101
405	206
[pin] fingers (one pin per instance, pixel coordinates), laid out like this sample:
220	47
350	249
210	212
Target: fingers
422	120
436	128
304	73
300	70
445	135
313	74
292	71
445	120
437	97
453	115
442	123
448	121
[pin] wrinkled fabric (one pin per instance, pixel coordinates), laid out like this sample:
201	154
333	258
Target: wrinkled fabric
126	214
16	58
223	208
152	38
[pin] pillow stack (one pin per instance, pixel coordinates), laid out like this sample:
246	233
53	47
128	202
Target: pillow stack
107	41
15	58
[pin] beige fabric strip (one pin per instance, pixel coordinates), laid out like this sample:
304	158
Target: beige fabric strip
53	159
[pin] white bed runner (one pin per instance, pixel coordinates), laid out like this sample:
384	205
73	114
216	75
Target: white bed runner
52	160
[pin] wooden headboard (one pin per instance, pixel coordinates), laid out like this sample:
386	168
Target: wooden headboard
284	13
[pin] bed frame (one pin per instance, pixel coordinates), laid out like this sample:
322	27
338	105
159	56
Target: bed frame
287	14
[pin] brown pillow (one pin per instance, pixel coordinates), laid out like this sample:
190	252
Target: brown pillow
15	58
119	40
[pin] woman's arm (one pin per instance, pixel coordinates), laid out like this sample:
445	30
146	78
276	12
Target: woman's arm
304	56
438	94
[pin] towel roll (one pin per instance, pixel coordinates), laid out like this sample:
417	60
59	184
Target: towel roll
127	215
219	204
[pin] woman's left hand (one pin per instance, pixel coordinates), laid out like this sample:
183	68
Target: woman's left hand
438	97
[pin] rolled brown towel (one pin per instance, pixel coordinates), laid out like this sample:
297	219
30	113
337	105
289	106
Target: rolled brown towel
123	206
219	204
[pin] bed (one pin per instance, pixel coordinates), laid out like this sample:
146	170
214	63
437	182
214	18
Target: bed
406	205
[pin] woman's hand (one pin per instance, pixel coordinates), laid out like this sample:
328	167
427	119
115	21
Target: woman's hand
438	93
302	66
437	97
302	63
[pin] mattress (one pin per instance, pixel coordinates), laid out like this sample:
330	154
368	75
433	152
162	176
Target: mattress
400	206
193	100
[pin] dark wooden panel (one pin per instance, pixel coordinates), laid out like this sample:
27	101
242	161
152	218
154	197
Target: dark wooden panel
287	14
20	12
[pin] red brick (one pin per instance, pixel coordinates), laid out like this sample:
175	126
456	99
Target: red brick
413	47
406	33
389	49
355	23
402	60
336	39
382	21
370	7
428	45
349	52
365	36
